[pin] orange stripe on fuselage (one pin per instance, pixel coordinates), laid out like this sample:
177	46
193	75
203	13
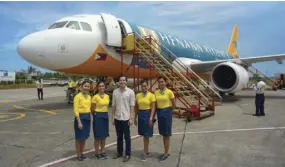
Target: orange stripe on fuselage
109	67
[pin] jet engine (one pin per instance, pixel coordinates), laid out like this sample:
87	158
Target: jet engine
229	77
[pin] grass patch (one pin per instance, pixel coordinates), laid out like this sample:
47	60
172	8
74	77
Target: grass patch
20	86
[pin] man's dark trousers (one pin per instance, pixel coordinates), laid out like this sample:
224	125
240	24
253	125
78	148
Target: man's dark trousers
259	104
40	93
123	129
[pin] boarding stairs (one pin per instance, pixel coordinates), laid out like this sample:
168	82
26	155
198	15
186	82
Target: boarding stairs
195	95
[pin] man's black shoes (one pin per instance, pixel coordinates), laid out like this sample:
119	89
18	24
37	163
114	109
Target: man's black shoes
126	158
117	156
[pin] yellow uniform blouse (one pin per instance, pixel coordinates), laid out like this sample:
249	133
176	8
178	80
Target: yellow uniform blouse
144	102
101	103
163	99
82	104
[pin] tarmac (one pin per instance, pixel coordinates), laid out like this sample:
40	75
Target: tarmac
40	133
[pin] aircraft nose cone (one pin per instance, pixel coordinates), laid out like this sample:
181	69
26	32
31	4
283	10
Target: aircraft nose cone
26	47
23	47
30	48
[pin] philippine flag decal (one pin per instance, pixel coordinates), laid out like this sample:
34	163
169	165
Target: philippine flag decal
101	56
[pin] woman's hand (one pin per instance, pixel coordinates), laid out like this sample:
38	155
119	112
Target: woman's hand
80	126
113	121
150	123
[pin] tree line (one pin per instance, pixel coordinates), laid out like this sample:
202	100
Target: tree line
24	75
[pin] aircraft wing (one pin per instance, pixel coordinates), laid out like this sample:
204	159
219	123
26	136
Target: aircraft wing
208	65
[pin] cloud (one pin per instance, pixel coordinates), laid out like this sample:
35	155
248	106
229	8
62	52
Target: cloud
201	13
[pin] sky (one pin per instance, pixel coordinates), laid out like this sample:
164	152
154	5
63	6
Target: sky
261	25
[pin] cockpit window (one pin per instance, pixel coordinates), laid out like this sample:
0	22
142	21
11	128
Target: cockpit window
85	26
58	25
73	25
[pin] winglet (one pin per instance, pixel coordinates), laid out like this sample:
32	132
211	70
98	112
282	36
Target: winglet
232	49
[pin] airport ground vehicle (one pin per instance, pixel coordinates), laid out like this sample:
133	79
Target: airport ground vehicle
279	82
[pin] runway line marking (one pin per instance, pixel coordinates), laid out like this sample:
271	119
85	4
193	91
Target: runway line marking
19	117
86	152
178	133
41	110
5	101
30	133
48	111
230	130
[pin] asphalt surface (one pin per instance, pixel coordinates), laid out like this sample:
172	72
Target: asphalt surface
36	132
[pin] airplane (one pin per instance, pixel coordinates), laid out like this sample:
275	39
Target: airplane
87	45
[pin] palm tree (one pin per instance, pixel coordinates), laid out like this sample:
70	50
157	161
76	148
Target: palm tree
31	69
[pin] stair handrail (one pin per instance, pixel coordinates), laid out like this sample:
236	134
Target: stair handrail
185	101
183	66
250	66
178	71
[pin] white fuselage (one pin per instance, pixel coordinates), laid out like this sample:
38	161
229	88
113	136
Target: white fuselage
61	49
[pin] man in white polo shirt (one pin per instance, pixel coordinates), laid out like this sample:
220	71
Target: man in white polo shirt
259	88
123	102
39	85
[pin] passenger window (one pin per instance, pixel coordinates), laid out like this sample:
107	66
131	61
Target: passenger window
73	25
85	26
58	25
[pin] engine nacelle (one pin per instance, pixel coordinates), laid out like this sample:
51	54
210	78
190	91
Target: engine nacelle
229	77
184	62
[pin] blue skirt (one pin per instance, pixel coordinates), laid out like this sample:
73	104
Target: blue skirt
164	117
143	127
82	134
101	125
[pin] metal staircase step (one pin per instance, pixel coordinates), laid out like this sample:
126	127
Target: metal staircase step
266	79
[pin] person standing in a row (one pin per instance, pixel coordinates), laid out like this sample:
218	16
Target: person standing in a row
145	110
165	105
100	103
123	102
82	120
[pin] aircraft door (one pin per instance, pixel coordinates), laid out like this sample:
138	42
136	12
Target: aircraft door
114	36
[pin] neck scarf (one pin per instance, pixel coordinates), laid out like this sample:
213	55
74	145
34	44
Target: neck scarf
84	94
162	91
102	95
144	94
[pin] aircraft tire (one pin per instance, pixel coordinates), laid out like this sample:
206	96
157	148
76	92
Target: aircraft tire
231	94
222	94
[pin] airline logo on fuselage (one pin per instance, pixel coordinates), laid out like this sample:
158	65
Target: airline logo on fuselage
183	44
148	32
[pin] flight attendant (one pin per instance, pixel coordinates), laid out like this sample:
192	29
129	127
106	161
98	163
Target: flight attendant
82	121
145	110
165	105
100	103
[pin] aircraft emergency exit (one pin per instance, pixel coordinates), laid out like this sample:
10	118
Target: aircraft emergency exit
87	44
